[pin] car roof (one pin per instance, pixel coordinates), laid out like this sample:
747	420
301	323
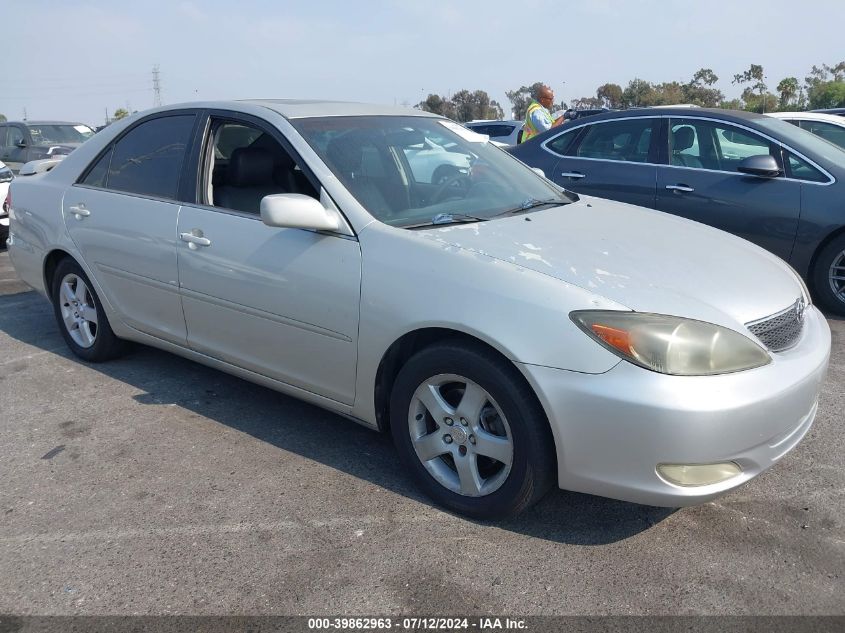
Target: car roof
302	108
28	122
738	116
810	116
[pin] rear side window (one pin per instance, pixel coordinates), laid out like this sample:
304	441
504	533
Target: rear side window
828	131
148	160
561	143
627	140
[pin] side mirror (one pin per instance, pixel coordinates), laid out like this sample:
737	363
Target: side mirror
21	144
297	211
763	165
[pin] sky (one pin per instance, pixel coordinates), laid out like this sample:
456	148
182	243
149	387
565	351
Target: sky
76	59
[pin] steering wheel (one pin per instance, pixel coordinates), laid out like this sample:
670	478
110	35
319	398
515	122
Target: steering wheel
456	185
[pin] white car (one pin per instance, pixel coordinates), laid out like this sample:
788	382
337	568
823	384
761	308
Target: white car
6	177
508	334
500	132
830	127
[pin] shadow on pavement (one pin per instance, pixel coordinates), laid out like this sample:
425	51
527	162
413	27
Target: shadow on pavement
277	419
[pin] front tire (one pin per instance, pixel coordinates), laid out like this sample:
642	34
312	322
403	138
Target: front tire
80	315
471	431
829	276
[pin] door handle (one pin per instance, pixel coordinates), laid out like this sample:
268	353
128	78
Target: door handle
195	241
573	174
79	211
684	188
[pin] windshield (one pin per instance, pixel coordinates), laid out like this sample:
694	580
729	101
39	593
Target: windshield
53	134
411	171
802	140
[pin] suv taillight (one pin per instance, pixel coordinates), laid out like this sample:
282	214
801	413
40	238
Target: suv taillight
7	203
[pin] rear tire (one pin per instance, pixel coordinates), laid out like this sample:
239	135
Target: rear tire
471	431
830	265
80	315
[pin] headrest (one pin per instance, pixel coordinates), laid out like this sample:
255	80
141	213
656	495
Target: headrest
250	166
683	138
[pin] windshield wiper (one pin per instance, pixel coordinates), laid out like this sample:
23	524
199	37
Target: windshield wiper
447	218
532	203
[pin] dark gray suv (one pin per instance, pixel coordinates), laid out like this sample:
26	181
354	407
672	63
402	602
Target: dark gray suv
23	141
751	175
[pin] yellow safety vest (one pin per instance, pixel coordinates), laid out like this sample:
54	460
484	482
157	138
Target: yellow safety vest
529	130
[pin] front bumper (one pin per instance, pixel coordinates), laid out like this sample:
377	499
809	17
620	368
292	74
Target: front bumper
613	429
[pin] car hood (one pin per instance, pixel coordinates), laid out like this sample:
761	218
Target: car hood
643	259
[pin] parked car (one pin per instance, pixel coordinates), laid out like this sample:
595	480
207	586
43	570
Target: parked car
828	126
752	175
6	177
24	141
507	333
502	132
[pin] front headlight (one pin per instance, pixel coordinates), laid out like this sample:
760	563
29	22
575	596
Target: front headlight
671	345
6	175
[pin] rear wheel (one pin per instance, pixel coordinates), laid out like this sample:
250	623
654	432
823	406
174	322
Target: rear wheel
81	318
470	430
829	276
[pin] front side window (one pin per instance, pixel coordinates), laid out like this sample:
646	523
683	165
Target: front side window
802	170
243	164
627	140
828	131
710	145
15	136
384	161
148	160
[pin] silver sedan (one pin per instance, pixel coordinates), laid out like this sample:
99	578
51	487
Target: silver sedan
510	335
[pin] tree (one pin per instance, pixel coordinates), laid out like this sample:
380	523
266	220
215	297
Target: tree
699	91
2	118
821	84
610	95
638	93
587	103
438	105
522	97
120	113
828	94
788	89
755	96
668	93
474	105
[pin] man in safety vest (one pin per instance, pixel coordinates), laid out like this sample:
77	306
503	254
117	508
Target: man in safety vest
538	119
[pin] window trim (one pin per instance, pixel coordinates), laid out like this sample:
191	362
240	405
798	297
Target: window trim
193	177
177	199
831	178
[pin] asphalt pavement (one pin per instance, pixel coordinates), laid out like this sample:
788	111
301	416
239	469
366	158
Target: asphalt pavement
154	485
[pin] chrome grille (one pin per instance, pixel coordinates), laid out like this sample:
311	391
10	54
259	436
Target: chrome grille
782	330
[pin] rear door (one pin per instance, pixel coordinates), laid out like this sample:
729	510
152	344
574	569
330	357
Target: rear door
613	159
280	302
701	182
122	216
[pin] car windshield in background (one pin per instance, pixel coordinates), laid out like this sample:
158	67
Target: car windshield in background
803	139
411	171
48	134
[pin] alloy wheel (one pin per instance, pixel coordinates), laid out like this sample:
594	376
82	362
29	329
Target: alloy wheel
460	435
78	310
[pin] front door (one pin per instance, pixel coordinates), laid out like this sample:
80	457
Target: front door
702	183
280	302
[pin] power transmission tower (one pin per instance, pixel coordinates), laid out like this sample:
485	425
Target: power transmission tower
156	86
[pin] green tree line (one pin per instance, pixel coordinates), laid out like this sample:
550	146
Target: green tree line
823	87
